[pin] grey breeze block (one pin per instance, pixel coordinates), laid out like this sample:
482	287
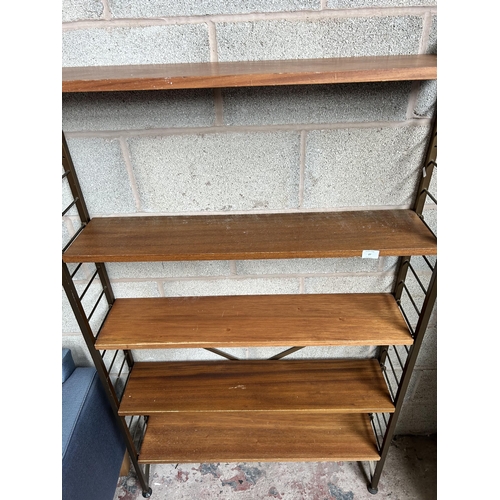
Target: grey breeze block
103	176
232	171
96	111
283	39
363	167
135	45
169	8
362	102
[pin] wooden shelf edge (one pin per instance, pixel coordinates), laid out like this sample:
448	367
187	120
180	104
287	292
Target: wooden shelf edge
395	232
280	320
234	345
262	437
249	386
249	73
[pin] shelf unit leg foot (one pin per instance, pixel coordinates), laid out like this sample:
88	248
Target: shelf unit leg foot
373	491
147	493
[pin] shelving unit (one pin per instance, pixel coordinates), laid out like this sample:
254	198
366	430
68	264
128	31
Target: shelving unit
273	410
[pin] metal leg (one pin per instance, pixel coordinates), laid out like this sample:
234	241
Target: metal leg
146	492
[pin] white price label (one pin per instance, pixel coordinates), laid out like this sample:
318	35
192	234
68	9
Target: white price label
370	254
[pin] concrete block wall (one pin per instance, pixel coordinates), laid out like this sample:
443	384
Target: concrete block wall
256	150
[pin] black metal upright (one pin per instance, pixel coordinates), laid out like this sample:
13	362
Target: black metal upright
424	313
421	327
421	194
83	319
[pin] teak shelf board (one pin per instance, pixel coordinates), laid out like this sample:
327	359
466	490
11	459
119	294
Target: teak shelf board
394	232
254	320
257	437
333	386
250	73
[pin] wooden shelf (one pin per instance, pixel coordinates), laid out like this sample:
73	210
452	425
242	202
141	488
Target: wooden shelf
249	74
254	320
266	236
332	386
257	437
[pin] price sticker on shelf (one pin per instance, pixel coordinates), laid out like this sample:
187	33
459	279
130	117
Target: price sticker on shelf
370	254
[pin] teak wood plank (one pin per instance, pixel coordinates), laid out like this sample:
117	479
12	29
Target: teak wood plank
254	236
332	386
257	437
254	320
249	73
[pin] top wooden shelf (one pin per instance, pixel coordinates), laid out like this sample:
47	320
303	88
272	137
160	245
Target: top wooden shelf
238	237
249	73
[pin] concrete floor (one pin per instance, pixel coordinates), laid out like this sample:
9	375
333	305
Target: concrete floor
410	473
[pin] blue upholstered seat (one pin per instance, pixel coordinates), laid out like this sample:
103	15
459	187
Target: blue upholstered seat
92	445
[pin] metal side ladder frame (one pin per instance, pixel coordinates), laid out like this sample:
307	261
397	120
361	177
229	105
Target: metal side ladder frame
75	300
425	312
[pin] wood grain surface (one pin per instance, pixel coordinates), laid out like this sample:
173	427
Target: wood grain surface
257	437
249	74
254	320
264	236
334	386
